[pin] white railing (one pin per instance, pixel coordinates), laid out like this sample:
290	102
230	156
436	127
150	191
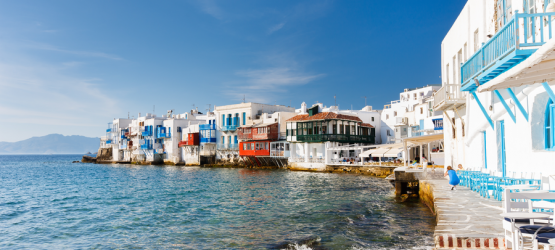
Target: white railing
448	92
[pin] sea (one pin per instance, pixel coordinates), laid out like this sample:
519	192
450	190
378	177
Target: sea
48	202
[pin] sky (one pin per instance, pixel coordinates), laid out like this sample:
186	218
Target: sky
70	67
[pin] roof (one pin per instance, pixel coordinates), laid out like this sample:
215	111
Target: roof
324	116
366	125
264	124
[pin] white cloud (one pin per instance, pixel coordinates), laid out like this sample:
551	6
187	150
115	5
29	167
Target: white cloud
210	7
276	27
76	52
39	93
266	85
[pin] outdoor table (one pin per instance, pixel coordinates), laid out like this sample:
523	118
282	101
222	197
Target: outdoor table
521	215
511	187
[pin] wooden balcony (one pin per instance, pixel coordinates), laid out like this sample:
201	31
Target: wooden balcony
449	96
512	44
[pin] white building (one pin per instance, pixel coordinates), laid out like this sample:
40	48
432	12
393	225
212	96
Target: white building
316	132
498	88
230	117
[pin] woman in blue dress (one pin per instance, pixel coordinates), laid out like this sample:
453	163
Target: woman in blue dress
453	178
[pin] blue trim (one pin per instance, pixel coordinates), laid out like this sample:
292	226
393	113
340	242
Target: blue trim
485	150
549	91
518	104
483	109
549	126
509	111
503	154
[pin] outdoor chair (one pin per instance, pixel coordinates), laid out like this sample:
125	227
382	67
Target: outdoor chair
524	234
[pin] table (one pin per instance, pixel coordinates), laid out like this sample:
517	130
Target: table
522	215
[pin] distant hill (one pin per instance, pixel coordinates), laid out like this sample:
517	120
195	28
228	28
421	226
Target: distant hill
52	144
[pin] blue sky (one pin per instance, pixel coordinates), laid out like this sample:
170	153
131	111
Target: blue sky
69	67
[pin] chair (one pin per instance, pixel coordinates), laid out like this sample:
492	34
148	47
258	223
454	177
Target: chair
528	230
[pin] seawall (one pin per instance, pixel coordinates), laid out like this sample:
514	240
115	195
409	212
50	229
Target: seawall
464	219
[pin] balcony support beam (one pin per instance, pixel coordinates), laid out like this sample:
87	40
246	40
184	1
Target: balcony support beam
449	119
549	91
509	111
517	103
483	109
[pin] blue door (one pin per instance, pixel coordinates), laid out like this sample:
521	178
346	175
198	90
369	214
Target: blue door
235	140
421	126
501	152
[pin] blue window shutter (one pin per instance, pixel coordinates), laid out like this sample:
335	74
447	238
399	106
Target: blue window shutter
244	117
223	120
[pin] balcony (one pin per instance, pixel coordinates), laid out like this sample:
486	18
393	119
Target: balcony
147	133
108	130
123	136
515	42
229	128
207	140
122	146
108	141
449	96
207	126
146	146
228	147
336	138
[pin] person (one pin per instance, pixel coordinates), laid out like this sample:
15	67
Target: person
460	167
453	178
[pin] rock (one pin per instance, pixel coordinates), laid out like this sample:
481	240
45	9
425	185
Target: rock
75	162
88	159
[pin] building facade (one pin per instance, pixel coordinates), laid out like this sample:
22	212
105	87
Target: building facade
498	82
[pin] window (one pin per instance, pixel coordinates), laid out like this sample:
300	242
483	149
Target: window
550	126
447	73
454	71
386	117
415	96
421	110
388	132
465	52
459	62
244	146
476	41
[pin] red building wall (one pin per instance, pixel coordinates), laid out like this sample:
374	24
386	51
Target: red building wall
249	148
272	135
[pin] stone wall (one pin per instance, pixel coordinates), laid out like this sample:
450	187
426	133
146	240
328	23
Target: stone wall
426	193
104	154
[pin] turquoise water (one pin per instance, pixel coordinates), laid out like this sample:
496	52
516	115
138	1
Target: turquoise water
46	202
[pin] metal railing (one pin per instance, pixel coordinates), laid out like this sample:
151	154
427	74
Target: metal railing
508	39
207	126
227	146
229	128
335	137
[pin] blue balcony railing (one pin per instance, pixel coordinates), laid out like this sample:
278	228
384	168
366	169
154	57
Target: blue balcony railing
207	126
207	140
146	146
229	128
147	133
510	46
108	141
228	147
108	130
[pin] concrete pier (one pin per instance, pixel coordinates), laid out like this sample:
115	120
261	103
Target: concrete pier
464	218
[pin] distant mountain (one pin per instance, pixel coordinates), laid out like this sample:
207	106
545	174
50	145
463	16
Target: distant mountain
52	144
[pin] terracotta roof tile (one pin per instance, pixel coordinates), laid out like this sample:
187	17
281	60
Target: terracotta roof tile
324	116
366	125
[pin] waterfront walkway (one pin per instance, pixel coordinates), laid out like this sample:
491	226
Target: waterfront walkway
464	218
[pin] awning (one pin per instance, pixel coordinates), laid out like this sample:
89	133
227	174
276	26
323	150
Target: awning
367	153
380	151
417	140
394	152
537	68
